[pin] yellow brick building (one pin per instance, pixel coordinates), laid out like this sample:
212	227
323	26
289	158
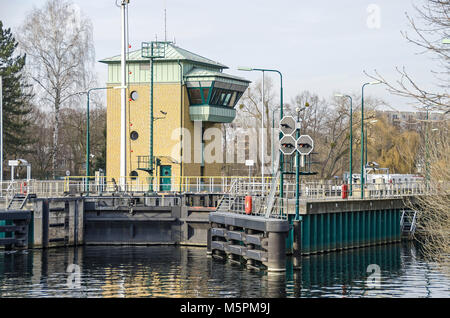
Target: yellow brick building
190	95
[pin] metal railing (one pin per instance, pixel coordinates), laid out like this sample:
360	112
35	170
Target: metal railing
241	185
234	201
193	184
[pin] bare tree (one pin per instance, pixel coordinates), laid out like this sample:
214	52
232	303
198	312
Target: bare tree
433	209
435	17
41	150
433	216
249	113
58	41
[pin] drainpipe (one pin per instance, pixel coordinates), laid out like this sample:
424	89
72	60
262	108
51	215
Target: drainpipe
181	122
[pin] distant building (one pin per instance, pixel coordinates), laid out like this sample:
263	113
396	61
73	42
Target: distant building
409	120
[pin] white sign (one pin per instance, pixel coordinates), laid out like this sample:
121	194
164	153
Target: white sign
287	145
305	145
287	125
249	162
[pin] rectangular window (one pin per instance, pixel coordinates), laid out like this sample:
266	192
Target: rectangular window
226	99
205	94
215	99
232	100
223	95
195	97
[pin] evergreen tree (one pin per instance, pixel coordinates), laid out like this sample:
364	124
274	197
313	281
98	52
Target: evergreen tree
16	98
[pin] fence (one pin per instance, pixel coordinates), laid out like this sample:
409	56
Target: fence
234	200
320	190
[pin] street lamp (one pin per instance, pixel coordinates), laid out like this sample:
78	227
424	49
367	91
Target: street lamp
249	69
273	139
351	140
362	135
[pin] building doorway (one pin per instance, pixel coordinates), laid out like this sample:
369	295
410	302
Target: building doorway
165	180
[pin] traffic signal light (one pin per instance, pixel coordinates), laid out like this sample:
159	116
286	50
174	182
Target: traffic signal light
305	144
287	145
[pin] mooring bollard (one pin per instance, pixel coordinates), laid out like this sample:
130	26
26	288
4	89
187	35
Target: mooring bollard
276	252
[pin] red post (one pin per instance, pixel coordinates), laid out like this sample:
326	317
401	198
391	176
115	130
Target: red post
248	204
344	191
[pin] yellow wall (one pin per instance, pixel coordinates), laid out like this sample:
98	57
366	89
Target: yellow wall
167	99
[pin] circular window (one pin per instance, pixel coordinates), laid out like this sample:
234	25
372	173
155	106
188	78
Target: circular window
134	135
134	95
133	175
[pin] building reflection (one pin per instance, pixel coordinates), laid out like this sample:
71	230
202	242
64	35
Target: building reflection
170	271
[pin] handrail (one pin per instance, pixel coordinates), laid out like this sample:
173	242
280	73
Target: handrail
311	190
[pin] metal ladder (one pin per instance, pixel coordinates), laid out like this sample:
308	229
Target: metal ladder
18	201
273	191
227	199
408	222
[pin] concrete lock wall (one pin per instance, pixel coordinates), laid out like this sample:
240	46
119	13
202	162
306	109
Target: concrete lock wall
58	222
157	221
253	240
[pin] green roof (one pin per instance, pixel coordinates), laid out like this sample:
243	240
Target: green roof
172	53
198	72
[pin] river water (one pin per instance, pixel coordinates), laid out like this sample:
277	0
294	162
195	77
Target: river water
172	271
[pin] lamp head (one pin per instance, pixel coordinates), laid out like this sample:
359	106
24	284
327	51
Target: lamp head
241	68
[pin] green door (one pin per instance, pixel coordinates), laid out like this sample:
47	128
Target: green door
165	180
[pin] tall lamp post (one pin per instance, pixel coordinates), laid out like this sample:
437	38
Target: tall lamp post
362	135
249	69
351	141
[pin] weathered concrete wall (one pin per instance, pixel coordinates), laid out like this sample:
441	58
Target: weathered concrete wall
154	224
58	222
249	239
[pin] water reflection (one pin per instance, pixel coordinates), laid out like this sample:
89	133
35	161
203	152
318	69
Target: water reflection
169	271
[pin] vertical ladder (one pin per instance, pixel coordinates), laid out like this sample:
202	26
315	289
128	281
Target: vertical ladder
408	223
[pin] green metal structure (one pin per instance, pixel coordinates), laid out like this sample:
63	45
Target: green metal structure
326	232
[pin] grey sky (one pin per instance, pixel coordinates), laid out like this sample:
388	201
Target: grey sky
321	46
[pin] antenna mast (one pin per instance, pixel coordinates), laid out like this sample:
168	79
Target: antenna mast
123	98
165	21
